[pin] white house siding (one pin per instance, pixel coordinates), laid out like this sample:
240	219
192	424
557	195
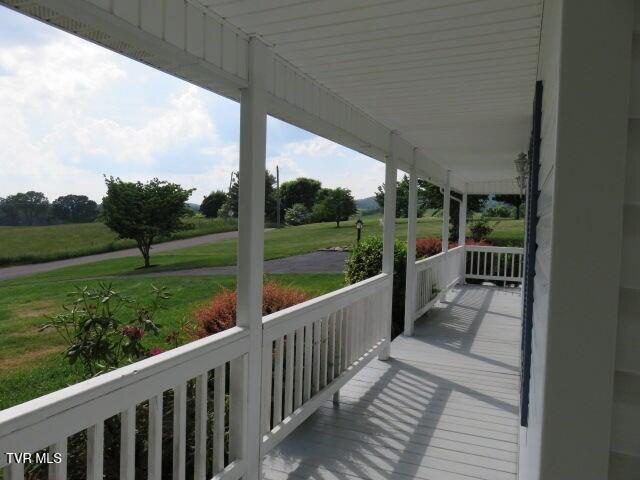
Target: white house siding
548	72
584	66
625	428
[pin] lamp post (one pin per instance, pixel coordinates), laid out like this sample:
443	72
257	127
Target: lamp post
359	226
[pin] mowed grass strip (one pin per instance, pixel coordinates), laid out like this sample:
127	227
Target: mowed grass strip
279	243
31	362
22	245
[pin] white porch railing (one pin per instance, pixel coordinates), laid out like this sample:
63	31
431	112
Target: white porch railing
434	276
309	351
437	274
48	421
494	263
312	349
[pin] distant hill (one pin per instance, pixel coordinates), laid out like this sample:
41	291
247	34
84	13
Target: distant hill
193	206
367	204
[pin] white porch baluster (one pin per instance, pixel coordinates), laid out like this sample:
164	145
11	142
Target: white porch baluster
253	135
389	236
410	290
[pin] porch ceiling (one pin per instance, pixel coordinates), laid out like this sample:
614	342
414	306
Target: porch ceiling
455	77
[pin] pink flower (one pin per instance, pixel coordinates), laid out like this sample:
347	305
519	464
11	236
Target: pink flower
133	332
153	351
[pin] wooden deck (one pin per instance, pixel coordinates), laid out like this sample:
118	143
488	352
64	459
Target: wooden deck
445	407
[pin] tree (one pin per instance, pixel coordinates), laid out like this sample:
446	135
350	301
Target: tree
513	200
301	190
334	205
74	209
429	197
144	212
297	214
30	208
230	206
211	204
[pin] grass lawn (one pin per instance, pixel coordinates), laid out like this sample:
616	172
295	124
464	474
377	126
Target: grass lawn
30	360
278	243
54	242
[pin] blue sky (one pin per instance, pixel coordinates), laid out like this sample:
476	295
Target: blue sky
71	111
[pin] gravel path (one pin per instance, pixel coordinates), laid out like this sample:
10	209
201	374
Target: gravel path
22	270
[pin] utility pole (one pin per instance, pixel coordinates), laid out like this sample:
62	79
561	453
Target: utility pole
278	196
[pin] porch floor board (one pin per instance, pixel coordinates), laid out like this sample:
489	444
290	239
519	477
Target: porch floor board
445	407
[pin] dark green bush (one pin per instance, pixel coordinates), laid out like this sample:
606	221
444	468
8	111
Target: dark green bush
365	261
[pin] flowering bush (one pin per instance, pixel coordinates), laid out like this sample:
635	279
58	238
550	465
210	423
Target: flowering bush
103	329
220	313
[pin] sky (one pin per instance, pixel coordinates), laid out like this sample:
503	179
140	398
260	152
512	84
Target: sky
72	112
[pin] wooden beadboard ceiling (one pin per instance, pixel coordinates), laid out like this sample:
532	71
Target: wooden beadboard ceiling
455	77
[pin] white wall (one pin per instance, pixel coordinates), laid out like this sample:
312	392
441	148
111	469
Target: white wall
625	428
585	69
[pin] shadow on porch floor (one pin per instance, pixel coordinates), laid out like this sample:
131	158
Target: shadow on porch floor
445	407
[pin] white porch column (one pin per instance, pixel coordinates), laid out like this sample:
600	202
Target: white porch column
389	236
462	227
410	284
446	206
253	123
462	236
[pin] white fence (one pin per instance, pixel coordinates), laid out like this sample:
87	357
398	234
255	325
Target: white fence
494	263
434	276
309	351
437	274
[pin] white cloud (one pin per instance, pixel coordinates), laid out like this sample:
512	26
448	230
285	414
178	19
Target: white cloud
51	127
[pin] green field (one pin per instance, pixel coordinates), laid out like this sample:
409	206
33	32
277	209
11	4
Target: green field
20	245
30	362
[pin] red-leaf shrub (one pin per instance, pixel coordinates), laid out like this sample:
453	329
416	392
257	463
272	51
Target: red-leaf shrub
220	313
428	246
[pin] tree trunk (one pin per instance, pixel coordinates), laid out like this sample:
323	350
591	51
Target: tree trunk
337	223
144	248
517	212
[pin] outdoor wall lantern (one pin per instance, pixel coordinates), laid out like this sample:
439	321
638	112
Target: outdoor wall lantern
359	227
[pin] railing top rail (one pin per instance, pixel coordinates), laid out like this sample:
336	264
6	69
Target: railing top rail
491	248
78	406
283	321
426	262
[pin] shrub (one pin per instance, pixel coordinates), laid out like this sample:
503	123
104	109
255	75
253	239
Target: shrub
480	229
428	246
103	329
365	261
298	214
500	211
220	313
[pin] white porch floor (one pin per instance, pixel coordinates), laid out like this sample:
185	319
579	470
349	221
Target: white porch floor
445	407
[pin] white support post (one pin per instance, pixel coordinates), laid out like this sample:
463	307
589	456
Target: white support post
389	237
446	206
462	235
253	124
410	290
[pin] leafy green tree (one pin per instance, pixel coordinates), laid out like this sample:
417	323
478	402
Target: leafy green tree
211	204
144	211
74	209
297	214
429	197
334	205
301	190
513	200
230	206
30	208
